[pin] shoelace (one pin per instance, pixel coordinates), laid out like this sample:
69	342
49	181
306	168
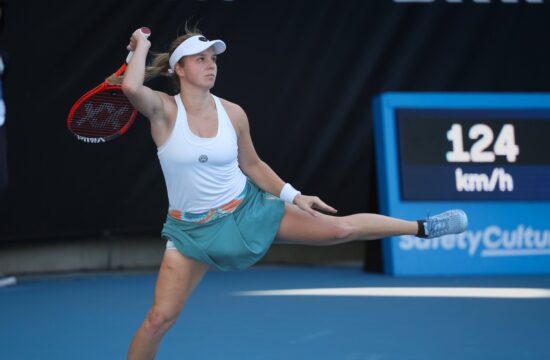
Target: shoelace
435	226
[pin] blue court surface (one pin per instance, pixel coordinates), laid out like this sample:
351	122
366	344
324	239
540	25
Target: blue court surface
323	313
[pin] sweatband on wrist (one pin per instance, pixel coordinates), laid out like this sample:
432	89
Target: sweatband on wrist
288	193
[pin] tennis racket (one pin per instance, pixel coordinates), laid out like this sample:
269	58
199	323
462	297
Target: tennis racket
103	113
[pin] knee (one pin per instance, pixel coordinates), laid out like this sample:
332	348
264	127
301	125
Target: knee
160	321
342	230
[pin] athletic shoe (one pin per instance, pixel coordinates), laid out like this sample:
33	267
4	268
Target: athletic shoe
449	222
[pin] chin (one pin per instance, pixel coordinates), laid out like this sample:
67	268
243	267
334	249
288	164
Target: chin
209	85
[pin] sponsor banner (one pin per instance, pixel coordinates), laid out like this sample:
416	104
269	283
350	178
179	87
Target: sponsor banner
502	238
492	241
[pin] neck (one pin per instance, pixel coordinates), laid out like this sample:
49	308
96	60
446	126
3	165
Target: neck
195	100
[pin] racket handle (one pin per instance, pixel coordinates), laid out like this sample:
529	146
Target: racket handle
146	32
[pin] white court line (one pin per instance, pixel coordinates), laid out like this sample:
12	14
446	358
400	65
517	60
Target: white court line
455	292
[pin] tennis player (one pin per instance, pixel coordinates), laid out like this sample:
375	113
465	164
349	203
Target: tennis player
226	206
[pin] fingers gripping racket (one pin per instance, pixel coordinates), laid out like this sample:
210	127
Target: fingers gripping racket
103	113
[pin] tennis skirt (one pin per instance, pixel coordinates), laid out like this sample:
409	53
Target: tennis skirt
233	239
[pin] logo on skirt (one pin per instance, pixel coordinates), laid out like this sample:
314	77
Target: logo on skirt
203	158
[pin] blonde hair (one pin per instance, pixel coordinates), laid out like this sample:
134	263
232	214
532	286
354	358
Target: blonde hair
160	64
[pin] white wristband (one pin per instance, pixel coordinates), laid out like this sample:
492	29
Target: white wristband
288	193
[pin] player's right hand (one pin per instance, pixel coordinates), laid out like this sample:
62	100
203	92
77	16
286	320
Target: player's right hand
137	37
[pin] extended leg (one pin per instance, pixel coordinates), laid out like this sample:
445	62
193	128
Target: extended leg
298	226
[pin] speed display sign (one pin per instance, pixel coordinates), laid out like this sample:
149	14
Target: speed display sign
488	154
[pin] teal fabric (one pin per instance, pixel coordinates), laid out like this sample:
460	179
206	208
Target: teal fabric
235	241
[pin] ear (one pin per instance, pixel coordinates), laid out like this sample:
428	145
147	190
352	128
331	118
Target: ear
178	69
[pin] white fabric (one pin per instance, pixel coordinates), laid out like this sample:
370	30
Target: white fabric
194	45
288	193
201	173
170	245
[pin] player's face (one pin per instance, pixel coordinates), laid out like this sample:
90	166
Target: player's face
201	69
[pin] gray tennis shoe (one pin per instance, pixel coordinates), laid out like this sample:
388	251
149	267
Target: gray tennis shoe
449	222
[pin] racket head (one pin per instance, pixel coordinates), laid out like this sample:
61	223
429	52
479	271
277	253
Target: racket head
102	114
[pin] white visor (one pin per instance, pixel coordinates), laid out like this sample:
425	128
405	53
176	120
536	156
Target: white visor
195	45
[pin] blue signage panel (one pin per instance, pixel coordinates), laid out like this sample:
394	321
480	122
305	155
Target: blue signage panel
488	154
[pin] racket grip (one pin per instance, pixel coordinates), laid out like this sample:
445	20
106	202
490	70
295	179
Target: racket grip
146	32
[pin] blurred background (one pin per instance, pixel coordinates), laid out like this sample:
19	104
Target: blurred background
305	73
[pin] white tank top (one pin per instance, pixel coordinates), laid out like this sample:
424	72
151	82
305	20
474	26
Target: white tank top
201	173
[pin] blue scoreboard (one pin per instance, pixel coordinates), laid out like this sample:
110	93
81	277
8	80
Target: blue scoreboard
488	154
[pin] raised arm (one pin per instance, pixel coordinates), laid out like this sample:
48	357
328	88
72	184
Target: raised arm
147	101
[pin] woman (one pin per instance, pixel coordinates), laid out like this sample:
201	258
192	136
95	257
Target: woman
221	211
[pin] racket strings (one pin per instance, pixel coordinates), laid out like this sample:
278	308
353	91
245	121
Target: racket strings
102	114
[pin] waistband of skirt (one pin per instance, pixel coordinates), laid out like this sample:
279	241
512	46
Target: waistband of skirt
212	214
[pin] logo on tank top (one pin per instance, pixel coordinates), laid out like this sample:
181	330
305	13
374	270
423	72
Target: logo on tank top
203	158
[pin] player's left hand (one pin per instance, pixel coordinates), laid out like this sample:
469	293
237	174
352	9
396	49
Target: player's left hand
312	203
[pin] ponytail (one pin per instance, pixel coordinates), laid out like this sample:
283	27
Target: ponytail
160	65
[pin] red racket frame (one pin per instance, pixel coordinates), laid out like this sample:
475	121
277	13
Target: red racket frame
104	86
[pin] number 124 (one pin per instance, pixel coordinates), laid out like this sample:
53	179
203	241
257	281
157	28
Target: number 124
504	145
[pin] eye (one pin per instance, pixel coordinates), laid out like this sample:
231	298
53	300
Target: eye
214	58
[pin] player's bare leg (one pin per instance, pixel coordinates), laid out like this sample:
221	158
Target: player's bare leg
178	276
298	226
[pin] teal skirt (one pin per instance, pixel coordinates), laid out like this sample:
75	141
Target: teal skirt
235	240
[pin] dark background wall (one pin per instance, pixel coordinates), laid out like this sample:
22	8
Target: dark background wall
305	72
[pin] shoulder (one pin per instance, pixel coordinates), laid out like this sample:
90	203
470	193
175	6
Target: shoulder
166	98
232	109
169	106
236	114
163	116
